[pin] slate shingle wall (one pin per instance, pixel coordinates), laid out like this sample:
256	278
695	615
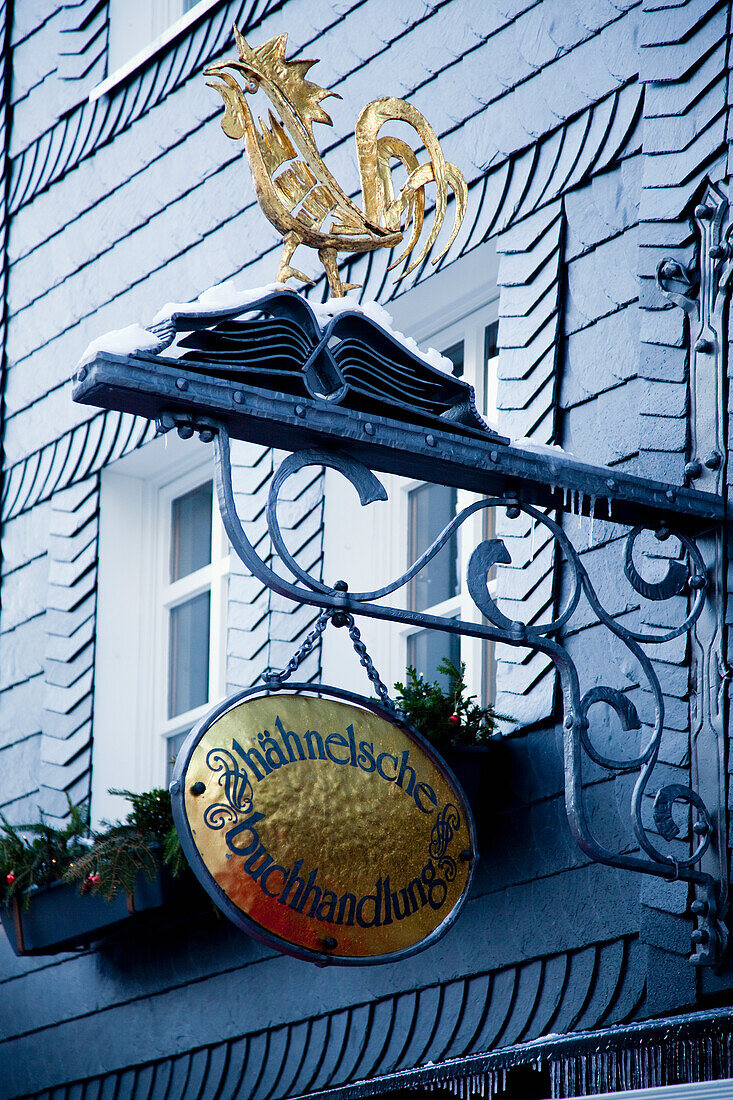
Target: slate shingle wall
584	171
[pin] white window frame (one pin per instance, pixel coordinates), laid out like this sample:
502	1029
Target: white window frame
368	546
134	597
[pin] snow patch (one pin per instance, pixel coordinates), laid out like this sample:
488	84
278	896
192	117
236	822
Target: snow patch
221	296
541	448
327	310
122	341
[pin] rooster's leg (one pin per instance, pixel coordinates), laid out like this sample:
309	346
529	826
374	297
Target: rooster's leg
328	257
285	271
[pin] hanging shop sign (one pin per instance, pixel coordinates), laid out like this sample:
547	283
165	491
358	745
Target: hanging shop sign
322	825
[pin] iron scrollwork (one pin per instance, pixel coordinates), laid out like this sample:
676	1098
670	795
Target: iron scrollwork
685	575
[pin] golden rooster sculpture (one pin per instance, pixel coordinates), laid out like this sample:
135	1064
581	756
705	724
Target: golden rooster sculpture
303	200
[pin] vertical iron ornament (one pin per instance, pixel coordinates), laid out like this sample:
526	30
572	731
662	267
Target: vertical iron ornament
704	295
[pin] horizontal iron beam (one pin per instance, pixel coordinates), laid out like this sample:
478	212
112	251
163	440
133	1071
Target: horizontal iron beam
152	388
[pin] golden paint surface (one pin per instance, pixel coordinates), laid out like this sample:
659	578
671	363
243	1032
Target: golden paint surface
364	835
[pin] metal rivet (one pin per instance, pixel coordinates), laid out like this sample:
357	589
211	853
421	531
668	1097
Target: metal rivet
198	788
81	374
700	935
369	428
185	431
512	511
430	440
182	383
697	581
328	943
206	435
611	483
713	461
341	586
701	828
670	495
569	721
703	345
693	470
238	397
300	410
704	212
494	456
718	252
698	908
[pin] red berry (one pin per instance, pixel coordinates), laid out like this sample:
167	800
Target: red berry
10	878
93	880
454	719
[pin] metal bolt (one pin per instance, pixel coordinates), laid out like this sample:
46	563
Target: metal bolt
670	495
569	721
700	935
704	212
185	431
341	586
206	435
697	581
341	618
698	908
81	374
693	470
611	483
662	532
182	383
198	788
430	440
703	345
718	252
713	461
369	428
238	397
328	943
701	828
300	410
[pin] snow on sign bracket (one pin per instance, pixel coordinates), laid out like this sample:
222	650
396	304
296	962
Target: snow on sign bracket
339	388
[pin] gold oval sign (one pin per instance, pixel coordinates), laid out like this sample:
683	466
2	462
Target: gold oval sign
322	827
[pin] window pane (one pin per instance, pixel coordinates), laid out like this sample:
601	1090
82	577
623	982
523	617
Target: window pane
191	531
188	659
426	650
432	507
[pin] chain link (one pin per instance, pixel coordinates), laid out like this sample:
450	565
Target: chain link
277	676
368	664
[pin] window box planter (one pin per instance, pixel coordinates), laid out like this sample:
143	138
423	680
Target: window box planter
59	918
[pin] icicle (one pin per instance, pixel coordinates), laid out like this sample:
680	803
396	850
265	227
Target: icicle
531	541
565	498
592	519
610	504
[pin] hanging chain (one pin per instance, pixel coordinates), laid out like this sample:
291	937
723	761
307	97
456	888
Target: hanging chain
339	618
368	664
276	676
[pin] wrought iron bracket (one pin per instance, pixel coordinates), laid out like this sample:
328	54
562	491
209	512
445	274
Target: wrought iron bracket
702	290
679	833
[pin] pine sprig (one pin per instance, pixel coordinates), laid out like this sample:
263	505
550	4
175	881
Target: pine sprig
449	717
103	862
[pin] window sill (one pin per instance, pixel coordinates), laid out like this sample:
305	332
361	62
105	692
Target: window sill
142	57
